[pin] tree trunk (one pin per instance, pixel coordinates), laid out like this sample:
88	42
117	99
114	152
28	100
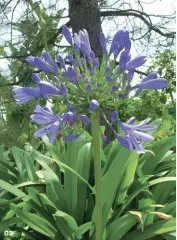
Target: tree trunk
85	14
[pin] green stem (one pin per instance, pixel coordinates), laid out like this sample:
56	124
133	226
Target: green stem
97	165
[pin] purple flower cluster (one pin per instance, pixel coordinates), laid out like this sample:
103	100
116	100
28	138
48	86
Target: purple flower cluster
89	82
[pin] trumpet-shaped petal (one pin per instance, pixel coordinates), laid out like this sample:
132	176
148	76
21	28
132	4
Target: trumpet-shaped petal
153	84
72	75
136	62
123	140
67	34
47	88
42	65
25	94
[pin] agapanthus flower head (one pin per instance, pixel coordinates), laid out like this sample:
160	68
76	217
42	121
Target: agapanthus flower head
89	84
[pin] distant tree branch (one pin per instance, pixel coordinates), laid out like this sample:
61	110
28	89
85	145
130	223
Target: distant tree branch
141	15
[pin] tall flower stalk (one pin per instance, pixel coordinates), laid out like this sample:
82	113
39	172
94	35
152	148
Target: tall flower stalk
97	166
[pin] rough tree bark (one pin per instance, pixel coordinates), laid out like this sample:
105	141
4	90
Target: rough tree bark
85	14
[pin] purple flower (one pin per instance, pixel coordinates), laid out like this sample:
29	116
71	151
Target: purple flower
48	59
114	117
103	43
130	143
70	138
67	34
85	50
94	104
46	56
25	94
47	88
47	66
85	120
72	75
115	42
52	122
143	126
63	89
69	117
136	62
150	76
84	37
135	134
36	78
62	62
81	41
152	84
123	60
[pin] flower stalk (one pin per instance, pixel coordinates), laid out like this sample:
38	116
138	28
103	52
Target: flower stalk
97	165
